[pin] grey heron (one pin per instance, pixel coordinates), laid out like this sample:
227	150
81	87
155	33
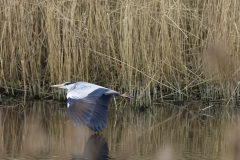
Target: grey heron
87	103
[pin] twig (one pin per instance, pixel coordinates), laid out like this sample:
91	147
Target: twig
206	108
232	94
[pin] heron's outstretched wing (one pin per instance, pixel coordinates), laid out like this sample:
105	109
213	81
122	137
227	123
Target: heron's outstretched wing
91	110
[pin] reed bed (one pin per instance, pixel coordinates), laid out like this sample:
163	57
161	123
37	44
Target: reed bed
155	49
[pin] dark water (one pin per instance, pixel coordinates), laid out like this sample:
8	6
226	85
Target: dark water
42	130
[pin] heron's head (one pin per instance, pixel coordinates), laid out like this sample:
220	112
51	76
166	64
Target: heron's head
66	85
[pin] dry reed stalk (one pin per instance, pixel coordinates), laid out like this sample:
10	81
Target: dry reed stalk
24	80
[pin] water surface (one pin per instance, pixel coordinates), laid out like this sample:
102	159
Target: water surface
43	130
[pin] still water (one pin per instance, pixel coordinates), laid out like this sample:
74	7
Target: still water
42	130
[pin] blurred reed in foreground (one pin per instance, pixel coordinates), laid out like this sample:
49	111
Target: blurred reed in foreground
156	50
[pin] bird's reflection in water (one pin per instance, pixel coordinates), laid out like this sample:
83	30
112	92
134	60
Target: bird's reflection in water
96	149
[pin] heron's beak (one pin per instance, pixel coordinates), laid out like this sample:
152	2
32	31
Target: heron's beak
58	86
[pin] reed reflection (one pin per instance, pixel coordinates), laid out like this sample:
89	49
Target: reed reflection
43	130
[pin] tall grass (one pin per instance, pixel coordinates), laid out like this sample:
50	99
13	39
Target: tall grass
154	49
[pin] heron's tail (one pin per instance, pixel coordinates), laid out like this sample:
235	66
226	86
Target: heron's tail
127	95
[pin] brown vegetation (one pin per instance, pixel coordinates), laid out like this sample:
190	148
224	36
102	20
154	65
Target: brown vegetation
168	49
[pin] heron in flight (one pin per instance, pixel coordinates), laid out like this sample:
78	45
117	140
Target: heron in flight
87	103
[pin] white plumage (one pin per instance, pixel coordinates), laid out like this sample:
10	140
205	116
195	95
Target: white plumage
82	89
